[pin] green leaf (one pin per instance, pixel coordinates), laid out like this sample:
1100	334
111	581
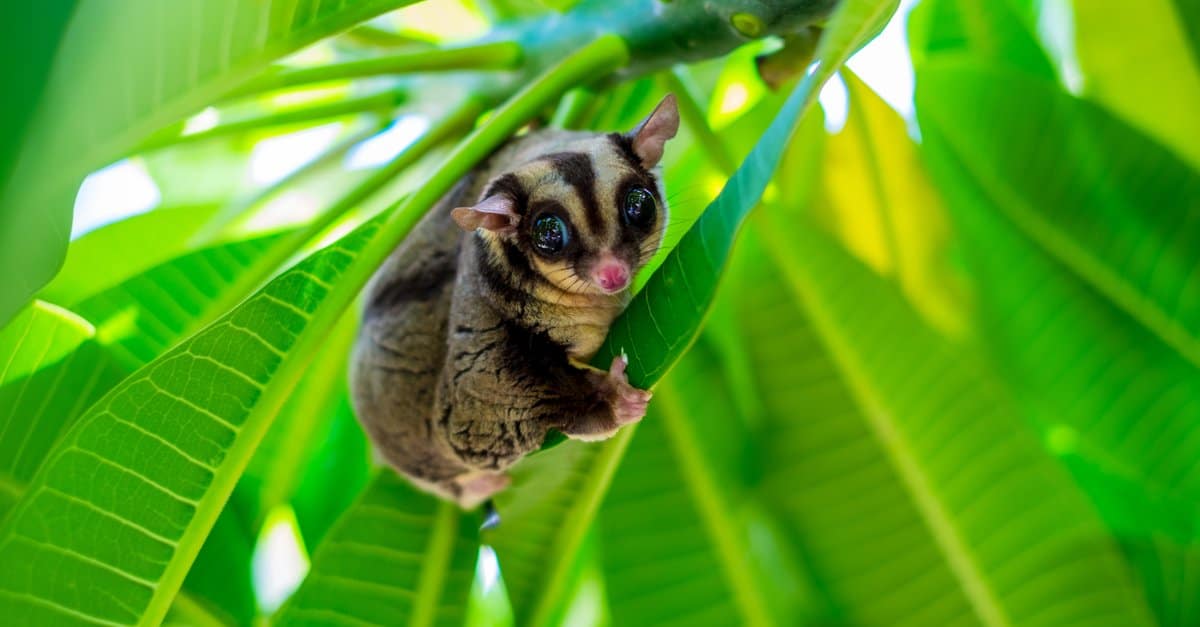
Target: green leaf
544	517
1188	13
954	495
194	416
289	453
557	491
397	557
1111	396
993	31
881	203
676	541
145	315
143	66
116	252
333	476
32	36
52	369
1154	51
1078	183
220	580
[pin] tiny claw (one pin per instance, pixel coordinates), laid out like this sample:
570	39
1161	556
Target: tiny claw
617	369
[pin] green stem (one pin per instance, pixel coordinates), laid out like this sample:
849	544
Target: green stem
374	36
502	55
574	106
383	102
435	565
715	513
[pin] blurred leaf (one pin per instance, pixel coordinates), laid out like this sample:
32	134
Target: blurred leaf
1078	183
287	452
220	580
32	33
993	512
334	476
1151	78
143	65
145	315
1111	396
884	208
994	31
544	517
1159	533
53	369
675	548
1188	14
113	253
398	556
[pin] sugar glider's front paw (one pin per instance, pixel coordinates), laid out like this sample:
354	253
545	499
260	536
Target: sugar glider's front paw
628	402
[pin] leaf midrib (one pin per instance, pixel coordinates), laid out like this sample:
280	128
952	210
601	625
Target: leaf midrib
1075	257
438	554
578	520
714	512
941	524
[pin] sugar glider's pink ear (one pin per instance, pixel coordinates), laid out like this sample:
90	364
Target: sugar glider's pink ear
649	136
496	213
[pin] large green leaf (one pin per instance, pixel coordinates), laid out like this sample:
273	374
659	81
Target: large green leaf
291	450
1080	184
175	436
995	31
676	540
880	202
145	240
333	476
957	514
145	315
31	32
399	556
1155	53
1118	402
143	65
53	369
558	490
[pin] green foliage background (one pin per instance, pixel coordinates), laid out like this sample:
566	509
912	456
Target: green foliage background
939	371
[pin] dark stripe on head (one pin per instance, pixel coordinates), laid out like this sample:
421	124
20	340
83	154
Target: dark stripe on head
577	170
510	186
624	147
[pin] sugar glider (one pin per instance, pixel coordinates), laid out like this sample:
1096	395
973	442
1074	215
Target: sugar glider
477	330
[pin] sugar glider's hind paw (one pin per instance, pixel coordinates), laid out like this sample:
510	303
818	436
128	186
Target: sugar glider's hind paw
477	488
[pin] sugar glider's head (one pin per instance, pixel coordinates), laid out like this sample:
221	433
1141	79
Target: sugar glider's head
586	213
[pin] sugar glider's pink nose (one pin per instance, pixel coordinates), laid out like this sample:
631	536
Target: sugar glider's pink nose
611	276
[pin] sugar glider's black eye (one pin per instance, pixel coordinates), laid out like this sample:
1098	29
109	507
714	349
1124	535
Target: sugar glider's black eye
639	207
550	234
